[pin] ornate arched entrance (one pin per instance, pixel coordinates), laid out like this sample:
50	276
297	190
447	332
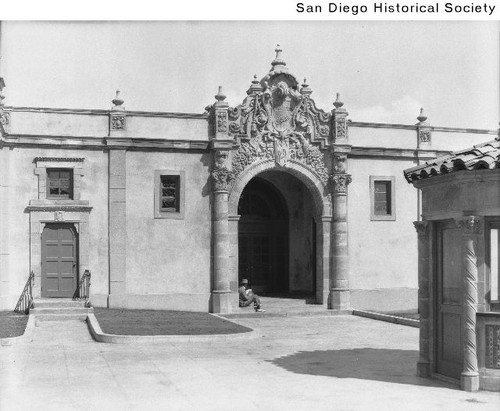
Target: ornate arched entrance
278	128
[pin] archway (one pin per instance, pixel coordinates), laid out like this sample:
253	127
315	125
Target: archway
298	194
263	237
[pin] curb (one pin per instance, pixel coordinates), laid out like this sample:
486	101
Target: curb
100	336
267	314
388	318
26	336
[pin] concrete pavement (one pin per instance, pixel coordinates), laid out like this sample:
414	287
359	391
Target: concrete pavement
300	363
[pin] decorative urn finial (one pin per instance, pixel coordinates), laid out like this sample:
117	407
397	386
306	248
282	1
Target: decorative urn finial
117	101
255	87
422	117
220	96
278	60
337	103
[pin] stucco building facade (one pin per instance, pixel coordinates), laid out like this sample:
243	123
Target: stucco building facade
170	210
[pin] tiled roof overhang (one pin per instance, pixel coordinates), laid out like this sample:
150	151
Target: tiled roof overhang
484	156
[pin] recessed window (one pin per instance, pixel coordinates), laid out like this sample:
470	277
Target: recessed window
382	198
59	183
169	194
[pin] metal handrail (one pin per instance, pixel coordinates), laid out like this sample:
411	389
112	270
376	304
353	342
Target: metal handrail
83	290
26	298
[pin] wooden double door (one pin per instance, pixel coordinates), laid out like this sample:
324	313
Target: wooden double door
59	260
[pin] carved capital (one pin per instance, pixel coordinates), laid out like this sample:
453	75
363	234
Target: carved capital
118	121
222	178
470	225
422	228
340	183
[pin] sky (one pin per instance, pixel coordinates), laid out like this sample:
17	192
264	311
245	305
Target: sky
384	71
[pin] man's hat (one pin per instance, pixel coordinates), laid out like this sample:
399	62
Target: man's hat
244	281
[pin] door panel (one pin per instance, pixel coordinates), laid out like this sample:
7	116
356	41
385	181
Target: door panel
59	260
449	311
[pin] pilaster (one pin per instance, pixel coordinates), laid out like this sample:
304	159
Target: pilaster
472	228
339	276
424	298
117	228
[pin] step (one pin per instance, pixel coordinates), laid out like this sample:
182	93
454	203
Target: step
60	317
37	311
58	302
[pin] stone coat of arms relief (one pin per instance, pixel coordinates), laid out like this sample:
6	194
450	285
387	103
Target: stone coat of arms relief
277	121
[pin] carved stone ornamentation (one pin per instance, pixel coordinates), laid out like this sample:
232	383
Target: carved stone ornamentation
422	227
5	118
221	122
278	122
221	157
59	216
340	183
118	122
222	178
339	163
424	136
471	225
340	129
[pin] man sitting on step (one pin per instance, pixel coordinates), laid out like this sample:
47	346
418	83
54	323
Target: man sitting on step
247	296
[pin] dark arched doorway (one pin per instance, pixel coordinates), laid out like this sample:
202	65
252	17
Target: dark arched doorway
263	237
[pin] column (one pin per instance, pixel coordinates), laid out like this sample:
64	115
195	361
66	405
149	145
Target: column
339	298
117	219
222	177
339	291
472	228
424	300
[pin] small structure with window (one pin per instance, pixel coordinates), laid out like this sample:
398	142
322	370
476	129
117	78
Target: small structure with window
458	258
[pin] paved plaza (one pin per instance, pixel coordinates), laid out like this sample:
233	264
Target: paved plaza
296	363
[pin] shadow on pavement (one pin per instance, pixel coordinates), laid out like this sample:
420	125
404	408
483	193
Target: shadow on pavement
398	366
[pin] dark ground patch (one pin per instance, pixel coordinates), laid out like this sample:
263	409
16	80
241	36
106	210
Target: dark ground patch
152	322
12	324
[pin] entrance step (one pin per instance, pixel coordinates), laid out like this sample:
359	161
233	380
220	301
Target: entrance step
59	310
57	303
287	306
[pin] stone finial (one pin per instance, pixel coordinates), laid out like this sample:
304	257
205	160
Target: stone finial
337	103
117	101
278	60
305	89
422	117
220	96
255	87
